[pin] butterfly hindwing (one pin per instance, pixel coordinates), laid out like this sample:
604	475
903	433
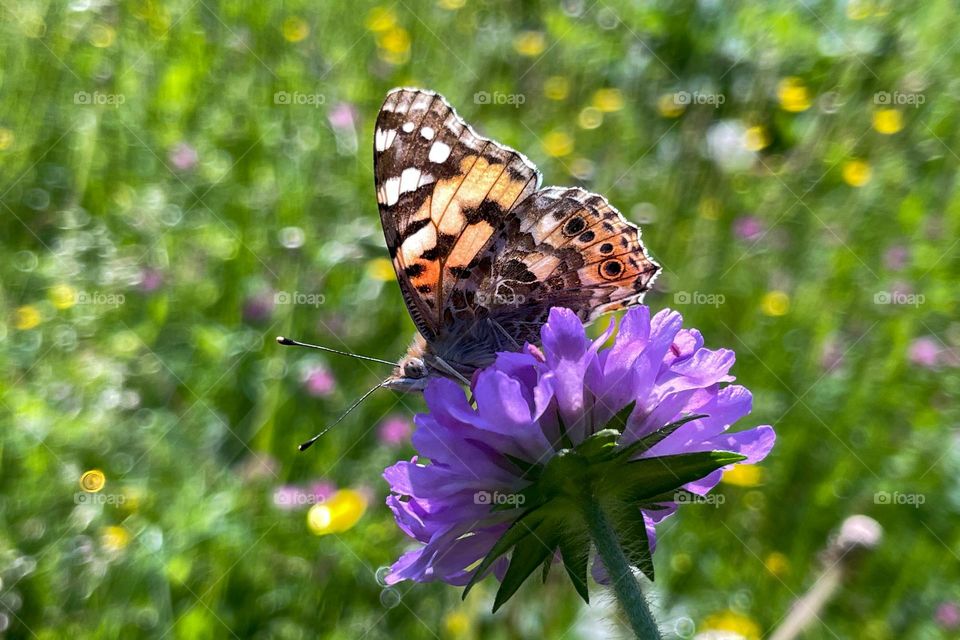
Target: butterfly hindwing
563	247
444	192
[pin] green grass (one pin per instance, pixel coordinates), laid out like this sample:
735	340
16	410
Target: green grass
175	392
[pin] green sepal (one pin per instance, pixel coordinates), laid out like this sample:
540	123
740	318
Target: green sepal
575	553
530	470
529	553
620	418
599	445
599	468
521	528
636	542
640	480
650	440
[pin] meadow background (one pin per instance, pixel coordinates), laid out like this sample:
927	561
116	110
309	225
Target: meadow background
182	181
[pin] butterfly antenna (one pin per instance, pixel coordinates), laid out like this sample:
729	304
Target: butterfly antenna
288	342
306	445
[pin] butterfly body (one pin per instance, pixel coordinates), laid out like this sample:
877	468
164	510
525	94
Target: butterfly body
482	252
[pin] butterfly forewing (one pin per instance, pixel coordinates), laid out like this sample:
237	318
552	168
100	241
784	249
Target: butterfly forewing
443	193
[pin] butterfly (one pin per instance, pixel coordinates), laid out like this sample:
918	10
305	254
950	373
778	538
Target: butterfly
481	251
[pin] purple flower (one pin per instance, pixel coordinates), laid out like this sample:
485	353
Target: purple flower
948	615
258	308
896	257
319	381
831	355
924	352
342	116
150	280
748	227
322	489
183	156
394	431
531	404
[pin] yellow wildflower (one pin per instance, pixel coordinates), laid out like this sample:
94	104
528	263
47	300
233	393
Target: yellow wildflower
63	296
339	513
114	538
530	43
775	303
295	29
793	95
556	88
26	317
558	144
743	475
381	269
856	173
608	100
93	480
732	621
887	121
756	138
669	107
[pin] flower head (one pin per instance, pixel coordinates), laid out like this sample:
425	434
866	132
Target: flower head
394	431
183	156
535	406
948	615
319	381
925	352
748	227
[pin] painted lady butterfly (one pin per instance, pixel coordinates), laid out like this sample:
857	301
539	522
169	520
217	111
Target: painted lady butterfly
481	252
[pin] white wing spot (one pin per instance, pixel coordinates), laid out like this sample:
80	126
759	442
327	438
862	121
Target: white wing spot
439	152
407	127
384	138
408	180
392	190
427	133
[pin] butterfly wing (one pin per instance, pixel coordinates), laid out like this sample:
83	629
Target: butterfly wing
443	191
563	247
480	253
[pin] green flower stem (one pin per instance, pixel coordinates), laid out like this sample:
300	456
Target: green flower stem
624	583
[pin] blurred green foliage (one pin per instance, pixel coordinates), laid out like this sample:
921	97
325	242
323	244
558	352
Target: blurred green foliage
182	181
